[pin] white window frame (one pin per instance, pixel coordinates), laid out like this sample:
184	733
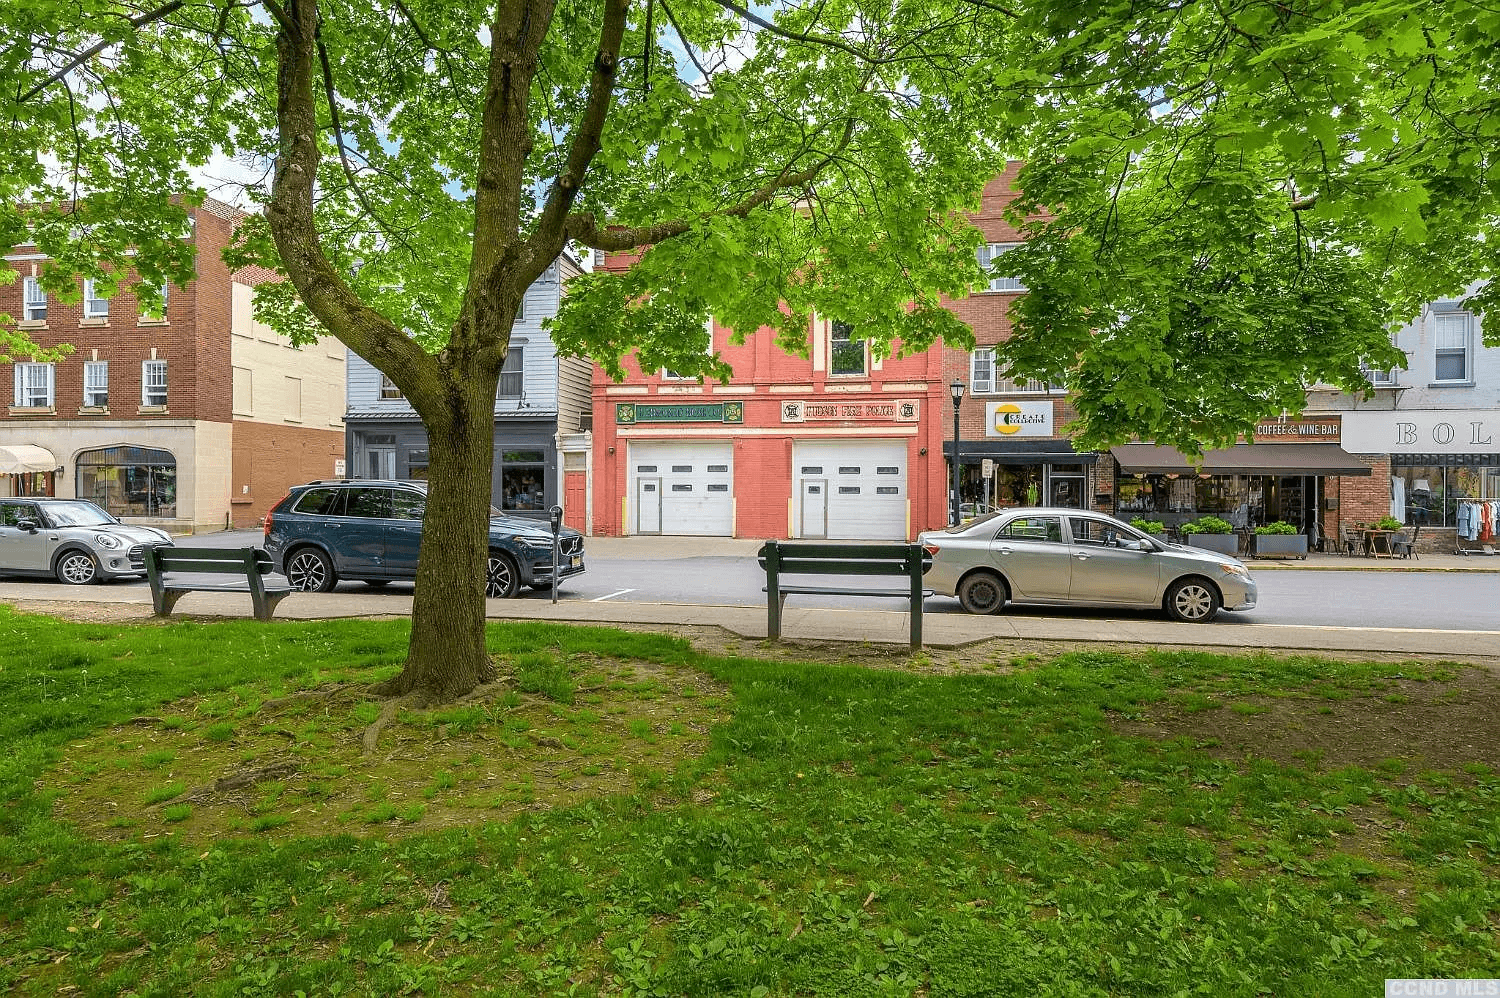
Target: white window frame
982	360
388	388
864	371
36	386
1464	350
165	300
96	384
668	374
153	375
34	301
988	254
514	369
93	307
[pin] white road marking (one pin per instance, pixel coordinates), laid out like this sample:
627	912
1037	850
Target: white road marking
601	599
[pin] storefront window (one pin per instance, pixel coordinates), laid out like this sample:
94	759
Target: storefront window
1430	493
522	479
1245	501
129	481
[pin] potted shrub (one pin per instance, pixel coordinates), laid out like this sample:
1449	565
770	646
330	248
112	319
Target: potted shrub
1153	527
1387	523
1213	534
1279	540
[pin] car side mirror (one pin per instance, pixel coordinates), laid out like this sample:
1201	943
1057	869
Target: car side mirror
27	525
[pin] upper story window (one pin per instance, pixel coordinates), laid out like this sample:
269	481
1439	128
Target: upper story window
96	384
388	389
34	307
34	386
984	379
846	352
708	339
94	307
1451	339
988	257
1380	377
512	375
150	313
153	383
982	371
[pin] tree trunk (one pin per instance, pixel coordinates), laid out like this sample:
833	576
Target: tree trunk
447	656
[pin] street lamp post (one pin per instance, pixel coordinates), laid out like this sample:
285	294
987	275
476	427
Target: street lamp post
957	391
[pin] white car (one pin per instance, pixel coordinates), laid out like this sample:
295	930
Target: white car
1073	556
72	540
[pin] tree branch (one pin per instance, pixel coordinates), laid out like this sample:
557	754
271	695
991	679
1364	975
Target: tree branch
139	21
584	227
294	229
551	232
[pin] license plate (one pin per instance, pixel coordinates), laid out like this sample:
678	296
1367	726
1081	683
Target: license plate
575	562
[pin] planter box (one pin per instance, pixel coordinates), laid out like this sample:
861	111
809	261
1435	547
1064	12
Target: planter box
1279	545
1222	543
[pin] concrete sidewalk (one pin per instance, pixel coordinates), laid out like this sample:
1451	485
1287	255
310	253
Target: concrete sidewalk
882	626
663	548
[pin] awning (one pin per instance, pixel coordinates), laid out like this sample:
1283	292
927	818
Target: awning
18	459
1242	459
1047	451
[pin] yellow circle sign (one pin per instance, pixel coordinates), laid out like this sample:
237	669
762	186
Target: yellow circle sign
1008	418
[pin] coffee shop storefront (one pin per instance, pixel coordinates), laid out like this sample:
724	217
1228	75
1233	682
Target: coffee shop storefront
1280	477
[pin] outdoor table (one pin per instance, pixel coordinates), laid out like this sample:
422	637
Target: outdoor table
1377	543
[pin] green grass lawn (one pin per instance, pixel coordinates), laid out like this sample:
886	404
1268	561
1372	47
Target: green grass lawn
629	816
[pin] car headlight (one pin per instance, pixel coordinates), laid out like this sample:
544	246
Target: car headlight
107	541
1229	569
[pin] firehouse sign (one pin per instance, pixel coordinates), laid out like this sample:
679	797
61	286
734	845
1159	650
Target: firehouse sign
629	413
897	410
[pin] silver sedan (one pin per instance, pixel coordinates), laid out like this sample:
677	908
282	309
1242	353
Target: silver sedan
1071	556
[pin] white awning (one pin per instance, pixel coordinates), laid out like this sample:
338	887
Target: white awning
18	459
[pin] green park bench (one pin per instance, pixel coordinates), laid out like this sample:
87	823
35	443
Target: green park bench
907	561
247	564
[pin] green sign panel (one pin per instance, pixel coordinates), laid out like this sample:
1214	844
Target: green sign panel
627	413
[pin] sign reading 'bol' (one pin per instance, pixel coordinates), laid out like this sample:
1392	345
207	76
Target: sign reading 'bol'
1018	419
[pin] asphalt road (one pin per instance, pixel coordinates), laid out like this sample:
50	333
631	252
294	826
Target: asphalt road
1466	601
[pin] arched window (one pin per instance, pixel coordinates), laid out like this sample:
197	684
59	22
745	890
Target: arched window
129	481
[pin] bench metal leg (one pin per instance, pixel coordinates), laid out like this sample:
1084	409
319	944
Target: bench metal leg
169	598
269	602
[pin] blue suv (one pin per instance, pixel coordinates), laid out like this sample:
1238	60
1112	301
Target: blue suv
371	531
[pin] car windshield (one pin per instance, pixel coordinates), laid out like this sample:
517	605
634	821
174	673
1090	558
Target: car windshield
76	514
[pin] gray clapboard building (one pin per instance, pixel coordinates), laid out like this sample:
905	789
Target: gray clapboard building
542	416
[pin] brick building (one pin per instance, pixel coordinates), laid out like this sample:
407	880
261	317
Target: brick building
198	418
1430	432
1012	427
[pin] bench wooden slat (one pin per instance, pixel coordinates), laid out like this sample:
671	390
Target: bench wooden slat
796	566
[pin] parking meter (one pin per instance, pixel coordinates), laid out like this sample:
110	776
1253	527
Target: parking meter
556	513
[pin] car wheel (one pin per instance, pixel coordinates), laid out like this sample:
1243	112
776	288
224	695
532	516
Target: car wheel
982	592
503	580
310	571
77	568
1192	601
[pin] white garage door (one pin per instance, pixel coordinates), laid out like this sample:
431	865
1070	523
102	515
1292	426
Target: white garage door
850	489
682	488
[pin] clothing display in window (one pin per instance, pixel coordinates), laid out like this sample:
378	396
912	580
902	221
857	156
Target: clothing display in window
1477	520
